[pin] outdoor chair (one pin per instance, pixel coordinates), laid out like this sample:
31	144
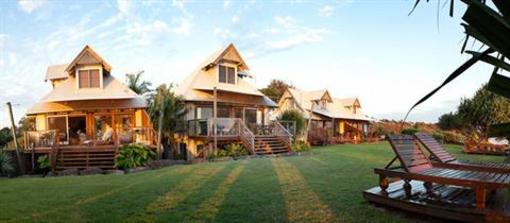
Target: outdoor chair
415	165
443	158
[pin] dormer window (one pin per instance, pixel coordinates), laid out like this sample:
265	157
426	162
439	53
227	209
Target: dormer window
227	74
90	78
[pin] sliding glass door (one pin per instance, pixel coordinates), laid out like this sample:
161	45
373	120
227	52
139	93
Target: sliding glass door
59	123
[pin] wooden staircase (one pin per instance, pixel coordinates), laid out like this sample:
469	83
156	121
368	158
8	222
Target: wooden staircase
267	145
83	158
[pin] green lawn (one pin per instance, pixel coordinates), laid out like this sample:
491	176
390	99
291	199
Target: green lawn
323	187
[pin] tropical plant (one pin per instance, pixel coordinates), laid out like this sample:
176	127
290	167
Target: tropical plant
217	154
134	82
235	150
275	89
133	155
295	116
489	25
43	164
5	136
5	163
167	111
300	146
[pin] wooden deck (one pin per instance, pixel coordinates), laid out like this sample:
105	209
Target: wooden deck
455	203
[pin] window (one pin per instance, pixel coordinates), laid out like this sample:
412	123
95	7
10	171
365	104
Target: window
226	74
223	112
89	79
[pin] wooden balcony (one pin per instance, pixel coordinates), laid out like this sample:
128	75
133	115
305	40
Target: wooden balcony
235	129
85	154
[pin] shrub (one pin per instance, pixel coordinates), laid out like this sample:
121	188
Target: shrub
5	163
217	154
409	131
295	116
454	137
439	136
43	164
300	146
235	150
133	155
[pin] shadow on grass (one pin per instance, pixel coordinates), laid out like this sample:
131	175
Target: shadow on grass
204	205
89	205
189	186
341	181
254	197
301	202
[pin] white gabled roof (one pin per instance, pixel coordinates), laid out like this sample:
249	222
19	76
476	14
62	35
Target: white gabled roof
113	94
334	109
198	85
55	72
68	91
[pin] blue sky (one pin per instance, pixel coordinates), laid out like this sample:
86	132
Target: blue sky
367	48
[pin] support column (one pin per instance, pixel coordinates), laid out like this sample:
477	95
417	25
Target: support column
481	196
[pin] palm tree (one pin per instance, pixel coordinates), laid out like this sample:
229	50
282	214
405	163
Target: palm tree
167	111
135	83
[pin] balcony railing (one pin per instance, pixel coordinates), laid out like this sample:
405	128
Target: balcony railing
49	138
226	127
46	138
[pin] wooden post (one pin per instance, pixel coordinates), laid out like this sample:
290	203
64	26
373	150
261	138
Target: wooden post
215	115
407	188
15	138
481	196
310	114
383	183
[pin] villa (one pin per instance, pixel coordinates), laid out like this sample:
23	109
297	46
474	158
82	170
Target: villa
87	115
224	107
333	120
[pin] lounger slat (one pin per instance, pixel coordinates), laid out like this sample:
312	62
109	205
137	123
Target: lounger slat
445	157
435	148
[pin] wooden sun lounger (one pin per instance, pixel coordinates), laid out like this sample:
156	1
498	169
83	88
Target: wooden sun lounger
415	165
447	160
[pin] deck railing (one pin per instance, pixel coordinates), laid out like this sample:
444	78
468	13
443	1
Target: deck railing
247	136
46	138
144	135
225	127
281	132
290	126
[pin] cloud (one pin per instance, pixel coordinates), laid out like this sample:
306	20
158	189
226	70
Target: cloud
3	41
13	59
235	19
296	34
226	3
146	34
225	34
124	6
285	21
183	27
29	6
304	36
326	11
181	5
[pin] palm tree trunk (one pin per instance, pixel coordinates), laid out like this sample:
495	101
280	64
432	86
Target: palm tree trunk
160	128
